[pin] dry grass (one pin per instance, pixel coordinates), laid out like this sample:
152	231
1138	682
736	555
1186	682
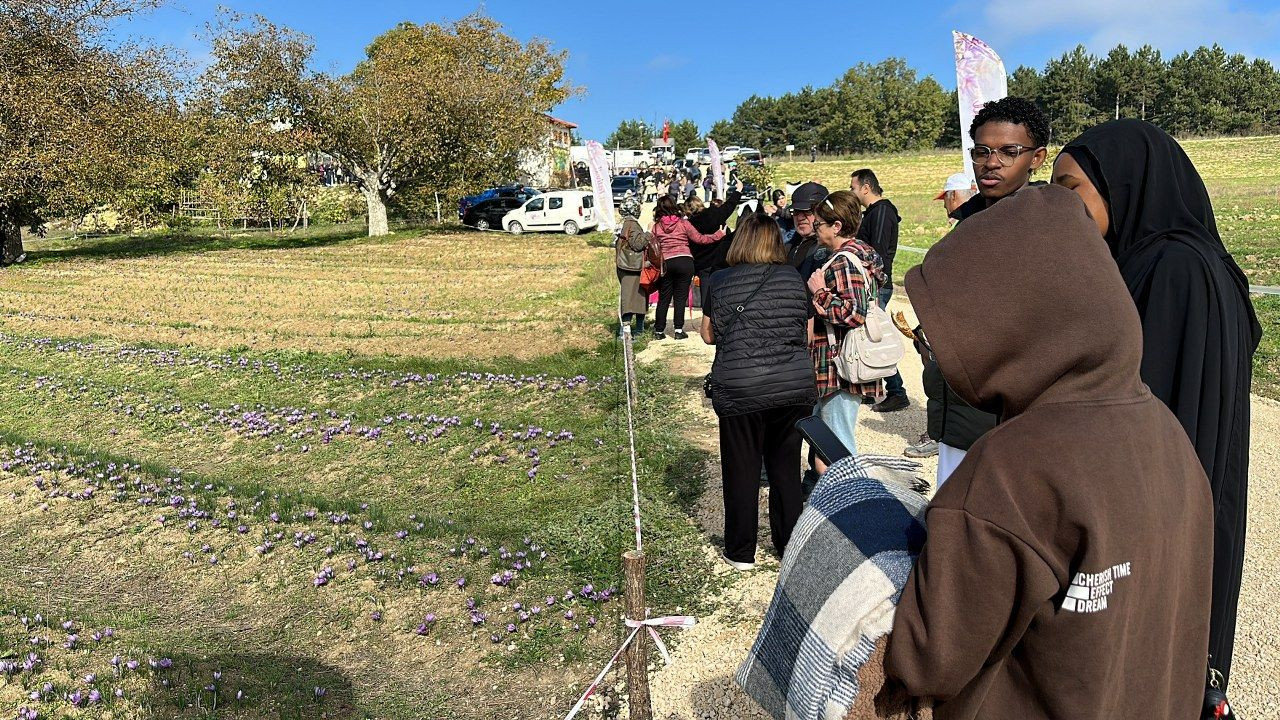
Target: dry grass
442	296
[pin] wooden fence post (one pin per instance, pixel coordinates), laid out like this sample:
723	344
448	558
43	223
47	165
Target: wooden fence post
638	651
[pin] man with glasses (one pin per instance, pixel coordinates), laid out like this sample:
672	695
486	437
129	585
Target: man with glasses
804	253
1009	138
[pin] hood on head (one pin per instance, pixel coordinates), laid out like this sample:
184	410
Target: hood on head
1022	303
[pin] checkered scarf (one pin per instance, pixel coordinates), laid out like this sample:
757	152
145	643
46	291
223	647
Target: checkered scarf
843	572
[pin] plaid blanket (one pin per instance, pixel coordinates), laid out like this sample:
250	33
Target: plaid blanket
842	574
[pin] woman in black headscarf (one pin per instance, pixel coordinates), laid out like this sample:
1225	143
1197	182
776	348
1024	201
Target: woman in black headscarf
1199	328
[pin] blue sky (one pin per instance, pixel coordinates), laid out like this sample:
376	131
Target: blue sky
699	60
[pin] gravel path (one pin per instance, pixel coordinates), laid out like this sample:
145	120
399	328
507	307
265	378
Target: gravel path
699	682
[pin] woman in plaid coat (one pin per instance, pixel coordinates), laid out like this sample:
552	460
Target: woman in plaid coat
840	301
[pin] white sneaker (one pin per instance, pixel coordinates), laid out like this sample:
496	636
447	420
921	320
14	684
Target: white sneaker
738	565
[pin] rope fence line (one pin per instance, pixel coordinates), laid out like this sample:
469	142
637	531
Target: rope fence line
628	360
636	616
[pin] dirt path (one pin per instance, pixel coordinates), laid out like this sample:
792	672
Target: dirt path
699	682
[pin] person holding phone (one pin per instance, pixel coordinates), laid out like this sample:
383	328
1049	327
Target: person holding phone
841	300
756	313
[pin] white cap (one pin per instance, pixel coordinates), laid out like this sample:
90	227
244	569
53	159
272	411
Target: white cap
958	181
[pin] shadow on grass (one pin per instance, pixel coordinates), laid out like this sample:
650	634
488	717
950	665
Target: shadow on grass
136	246
684	473
270	686
209	240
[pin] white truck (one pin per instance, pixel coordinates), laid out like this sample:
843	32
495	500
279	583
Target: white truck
578	154
626	159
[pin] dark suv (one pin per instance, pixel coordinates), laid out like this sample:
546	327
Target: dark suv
488	214
623	184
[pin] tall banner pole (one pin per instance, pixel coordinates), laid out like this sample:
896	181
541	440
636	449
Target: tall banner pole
717	172
980	79
601	186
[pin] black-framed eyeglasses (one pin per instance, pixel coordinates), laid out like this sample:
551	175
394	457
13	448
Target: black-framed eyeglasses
1006	154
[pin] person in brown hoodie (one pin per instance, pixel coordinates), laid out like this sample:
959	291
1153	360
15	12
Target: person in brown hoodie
1067	569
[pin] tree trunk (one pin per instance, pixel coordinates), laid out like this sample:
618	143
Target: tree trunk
377	211
12	239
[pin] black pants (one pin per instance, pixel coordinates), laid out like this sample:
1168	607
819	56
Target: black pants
674	284
746	440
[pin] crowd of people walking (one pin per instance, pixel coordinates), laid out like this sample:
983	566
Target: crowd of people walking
1087	363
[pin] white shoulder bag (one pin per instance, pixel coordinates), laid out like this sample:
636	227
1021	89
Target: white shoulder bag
872	350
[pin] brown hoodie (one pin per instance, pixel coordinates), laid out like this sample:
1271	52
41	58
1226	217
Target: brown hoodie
1066	574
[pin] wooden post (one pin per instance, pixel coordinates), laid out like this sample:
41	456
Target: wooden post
638	651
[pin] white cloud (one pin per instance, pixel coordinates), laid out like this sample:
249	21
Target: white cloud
666	62
1170	25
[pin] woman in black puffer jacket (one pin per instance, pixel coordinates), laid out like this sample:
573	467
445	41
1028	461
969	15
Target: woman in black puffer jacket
756	313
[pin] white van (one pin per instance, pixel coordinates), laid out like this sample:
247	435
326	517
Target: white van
570	211
625	159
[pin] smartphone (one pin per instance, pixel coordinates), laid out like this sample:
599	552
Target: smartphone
822	439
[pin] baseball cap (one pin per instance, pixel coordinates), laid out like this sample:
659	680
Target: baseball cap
958	181
808	195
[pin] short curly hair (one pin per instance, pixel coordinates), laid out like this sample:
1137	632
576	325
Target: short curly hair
1015	110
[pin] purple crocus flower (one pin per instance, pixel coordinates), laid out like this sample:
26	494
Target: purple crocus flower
95	697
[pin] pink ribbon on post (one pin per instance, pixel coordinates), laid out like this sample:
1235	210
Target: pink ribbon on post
677	621
684	622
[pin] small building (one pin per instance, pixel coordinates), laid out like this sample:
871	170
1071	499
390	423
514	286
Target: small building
548	165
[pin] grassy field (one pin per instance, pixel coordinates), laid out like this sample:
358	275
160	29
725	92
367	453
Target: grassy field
320	476
1240	173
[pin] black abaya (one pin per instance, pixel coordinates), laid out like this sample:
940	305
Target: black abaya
1198	325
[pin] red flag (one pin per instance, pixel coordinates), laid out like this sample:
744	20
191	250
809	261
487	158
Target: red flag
666	131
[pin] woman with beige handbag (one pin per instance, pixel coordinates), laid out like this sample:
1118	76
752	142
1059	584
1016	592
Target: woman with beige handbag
844	292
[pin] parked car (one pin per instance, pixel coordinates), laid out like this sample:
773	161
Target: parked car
520	192
570	211
488	214
622	184
693	153
749	156
728	153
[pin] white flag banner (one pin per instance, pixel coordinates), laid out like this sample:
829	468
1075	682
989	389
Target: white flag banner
717	172
980	79
601	186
